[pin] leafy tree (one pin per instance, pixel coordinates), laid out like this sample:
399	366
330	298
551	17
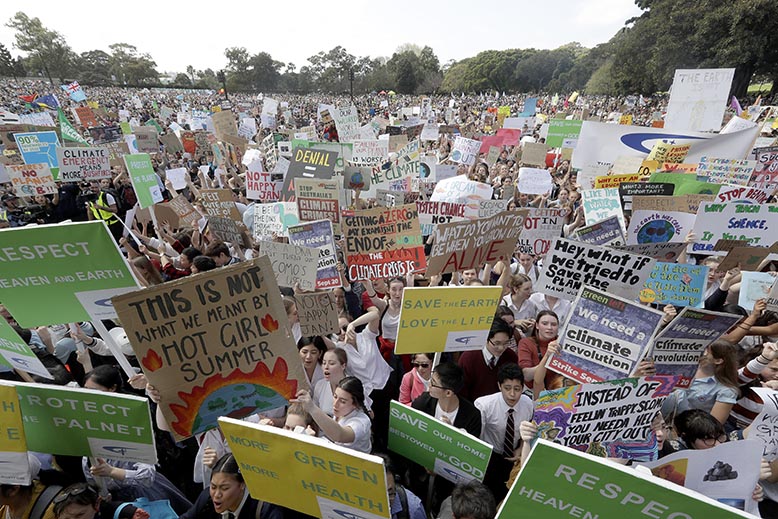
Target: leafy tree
182	80
6	62
94	68
46	48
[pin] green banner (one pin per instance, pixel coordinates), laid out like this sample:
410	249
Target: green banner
84	422
561	130
69	133
43	267
14	352
557	482
445	450
144	179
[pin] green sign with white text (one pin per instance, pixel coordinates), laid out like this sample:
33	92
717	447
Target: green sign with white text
43	267
557	482
144	179
14	352
445	450
563	131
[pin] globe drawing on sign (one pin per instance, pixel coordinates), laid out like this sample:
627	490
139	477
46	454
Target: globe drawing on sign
657	231
456	155
356	181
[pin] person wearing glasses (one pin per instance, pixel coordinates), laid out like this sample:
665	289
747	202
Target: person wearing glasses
417	380
81	501
403	504
480	367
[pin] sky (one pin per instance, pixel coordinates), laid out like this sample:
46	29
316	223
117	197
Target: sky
177	34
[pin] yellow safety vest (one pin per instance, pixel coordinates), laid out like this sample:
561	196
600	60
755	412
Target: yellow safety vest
100	214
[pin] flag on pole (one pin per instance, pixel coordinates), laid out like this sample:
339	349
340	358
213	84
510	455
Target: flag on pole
48	101
74	91
68	132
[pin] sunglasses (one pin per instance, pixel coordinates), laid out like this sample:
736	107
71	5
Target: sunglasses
420	364
74	492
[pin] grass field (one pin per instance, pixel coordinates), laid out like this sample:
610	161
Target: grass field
756	88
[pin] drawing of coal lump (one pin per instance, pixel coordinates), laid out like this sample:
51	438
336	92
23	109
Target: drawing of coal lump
720	472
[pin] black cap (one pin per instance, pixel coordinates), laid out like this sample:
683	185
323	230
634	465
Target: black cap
8	196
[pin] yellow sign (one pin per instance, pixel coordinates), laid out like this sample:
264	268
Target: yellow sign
94	105
446	318
626	119
11	427
664	152
307	474
648	167
615	180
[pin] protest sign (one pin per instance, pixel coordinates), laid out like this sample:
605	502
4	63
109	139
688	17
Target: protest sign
346	122
274	218
146	139
599	204
317	314
466	245
605	232
224	124
660	251
533	154
742	195
343	152
177	177
87	422
727	473
679	284
383	242
461	191
45	266
753	287
261	185
440	448
772	299
396	172
83	164
369	152
225	229
14	464
663	152
659	226
556	483
465	151
187	214
662	204
749	222
563	133
307	163
610	181
433	213
172	143
626	165
318	200
18	354
604	337
38	148
698	98
489	208
318	235
571	264
678	347
745	258
293	265
765	175
144	179
308	474
85	116
629	189
31	179
726	171
534	181
445	318
215	344
610	419
220	203
541	227
765	426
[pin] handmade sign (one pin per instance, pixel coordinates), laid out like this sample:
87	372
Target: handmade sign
433	213
726	171
307	163
678	347
765	426
370	152
556	482
570	264
599	204
659	226
534	181
317	314
226	230
466	245
465	151
31	179
146	139
660	251
749	222
533	154
45	266
86	422
698	98
753	287
445	318
742	195
611	181
541	227
215	344
442	449
293	265
383	242
318	200
83	164
318	235
144	179
220	203
605	232
187	214
224	124
274	218
563	133
679	284
604	337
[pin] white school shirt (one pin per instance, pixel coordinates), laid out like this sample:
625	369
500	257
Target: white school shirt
494	417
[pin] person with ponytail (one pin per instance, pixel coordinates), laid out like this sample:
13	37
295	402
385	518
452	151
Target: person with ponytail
350	426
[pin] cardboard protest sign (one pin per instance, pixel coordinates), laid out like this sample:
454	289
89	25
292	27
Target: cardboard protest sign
679	284
220	203
86	422
610	419
18	355
726	171
470	244
38	148
541	227
215	344
318	200
659	226
224	124
599	204
262	186
292	264
556	482
662	204
749	222
14	464
563	133
396	173
765	426
85	116
31	179
307	163
727	473
317	314
318	235
533	154
665	153
46	265
570	264
605	232
445	318
604	337
698	98
172	143
678	347
370	152
465	151
534	181
489	208
765	175
753	287
433	213
440	448
83	164
225	229
146	139
308	474
610	181
383	242
187	214
144	179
